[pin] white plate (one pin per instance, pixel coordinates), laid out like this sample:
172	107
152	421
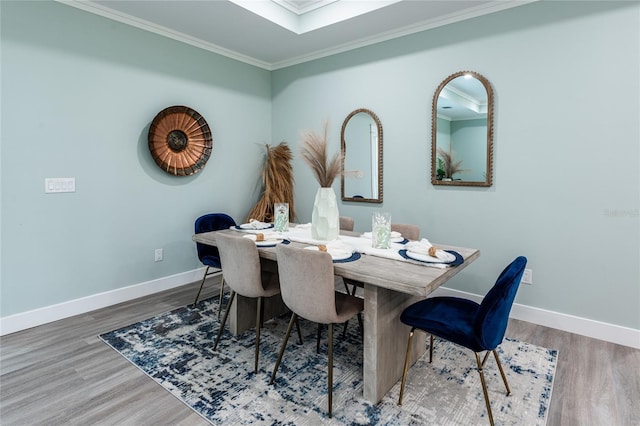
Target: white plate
397	239
425	257
336	254
268	243
251	226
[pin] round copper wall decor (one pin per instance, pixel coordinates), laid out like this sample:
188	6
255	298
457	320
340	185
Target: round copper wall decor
180	140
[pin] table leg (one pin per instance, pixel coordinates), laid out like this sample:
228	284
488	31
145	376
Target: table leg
385	340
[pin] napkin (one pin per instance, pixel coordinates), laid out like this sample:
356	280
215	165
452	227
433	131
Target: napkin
256	224
268	236
424	247
303	226
336	249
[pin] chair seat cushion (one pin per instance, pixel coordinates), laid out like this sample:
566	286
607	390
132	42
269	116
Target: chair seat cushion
451	318
213	261
347	306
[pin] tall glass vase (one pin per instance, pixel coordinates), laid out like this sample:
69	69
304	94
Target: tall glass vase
325	218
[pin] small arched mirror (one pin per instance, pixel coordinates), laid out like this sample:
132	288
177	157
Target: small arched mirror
462	131
361	145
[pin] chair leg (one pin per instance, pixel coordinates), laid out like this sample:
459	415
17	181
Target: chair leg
484	387
430	348
351	292
504	378
206	271
299	331
258	324
224	319
330	372
318	338
406	365
221	295
294	318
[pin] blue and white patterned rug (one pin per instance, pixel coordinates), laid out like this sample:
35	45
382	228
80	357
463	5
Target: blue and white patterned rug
175	350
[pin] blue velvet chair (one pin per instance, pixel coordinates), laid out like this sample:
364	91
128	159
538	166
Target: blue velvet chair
209	255
479	327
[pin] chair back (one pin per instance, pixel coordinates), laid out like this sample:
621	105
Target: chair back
410	232
240	264
307	284
346	223
493	314
211	222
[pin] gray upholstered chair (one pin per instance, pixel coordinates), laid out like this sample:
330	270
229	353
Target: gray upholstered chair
242	272
346	223
306	280
410	232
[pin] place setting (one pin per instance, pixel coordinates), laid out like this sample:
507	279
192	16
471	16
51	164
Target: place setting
253	226
383	242
267	239
339	254
423	251
266	234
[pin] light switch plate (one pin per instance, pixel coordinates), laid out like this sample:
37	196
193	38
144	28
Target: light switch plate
55	185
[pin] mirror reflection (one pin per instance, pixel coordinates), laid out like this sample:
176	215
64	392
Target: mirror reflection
462	132
361	145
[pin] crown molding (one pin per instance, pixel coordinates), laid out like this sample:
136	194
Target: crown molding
105	12
477	11
470	13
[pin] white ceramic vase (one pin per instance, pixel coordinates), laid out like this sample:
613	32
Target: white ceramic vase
325	218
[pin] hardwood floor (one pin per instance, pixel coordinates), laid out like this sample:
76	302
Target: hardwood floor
61	373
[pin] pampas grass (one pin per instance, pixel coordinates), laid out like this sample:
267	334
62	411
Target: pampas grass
314	153
449	166
277	179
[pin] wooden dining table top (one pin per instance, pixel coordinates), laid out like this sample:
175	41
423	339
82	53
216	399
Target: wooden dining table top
403	276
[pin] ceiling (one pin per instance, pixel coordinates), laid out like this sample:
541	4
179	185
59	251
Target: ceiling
273	34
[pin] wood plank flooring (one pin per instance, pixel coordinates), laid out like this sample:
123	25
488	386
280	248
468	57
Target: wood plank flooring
62	374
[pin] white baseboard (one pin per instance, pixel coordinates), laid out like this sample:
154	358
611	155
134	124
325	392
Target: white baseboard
47	314
586	327
599	330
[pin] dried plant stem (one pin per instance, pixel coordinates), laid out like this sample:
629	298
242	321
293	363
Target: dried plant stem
314	153
450	167
277	178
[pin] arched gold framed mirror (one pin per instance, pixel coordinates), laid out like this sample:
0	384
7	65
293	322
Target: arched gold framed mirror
361	145
462	131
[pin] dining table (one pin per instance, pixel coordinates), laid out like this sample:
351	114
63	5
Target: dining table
390	284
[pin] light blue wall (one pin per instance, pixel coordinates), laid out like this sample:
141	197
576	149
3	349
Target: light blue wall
566	184
78	94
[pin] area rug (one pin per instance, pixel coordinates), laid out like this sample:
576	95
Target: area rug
175	349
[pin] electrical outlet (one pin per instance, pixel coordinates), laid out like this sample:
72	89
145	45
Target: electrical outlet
527	277
159	255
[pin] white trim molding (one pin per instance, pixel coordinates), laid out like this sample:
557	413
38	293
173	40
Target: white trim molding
47	314
586	327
